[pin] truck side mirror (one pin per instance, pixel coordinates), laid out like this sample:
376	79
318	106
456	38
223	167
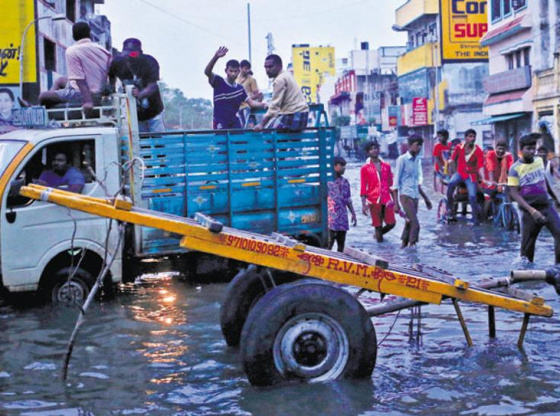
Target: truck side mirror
15	187
11	216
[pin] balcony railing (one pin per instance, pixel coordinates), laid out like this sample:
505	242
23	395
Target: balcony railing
424	56
514	79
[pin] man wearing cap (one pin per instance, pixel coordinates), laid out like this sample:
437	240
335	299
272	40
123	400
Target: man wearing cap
87	64
140	70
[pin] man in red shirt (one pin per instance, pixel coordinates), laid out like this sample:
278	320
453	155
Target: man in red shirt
497	164
376	181
441	154
496	167
469	160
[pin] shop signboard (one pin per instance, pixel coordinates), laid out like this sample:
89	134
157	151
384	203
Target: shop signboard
463	23
18	14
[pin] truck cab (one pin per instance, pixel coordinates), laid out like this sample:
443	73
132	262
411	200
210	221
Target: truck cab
39	242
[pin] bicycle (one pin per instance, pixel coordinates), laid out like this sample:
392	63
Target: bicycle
505	213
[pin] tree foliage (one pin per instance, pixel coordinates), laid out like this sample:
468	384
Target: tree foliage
194	113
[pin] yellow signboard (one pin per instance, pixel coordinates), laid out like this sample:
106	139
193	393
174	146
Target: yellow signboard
310	66
18	14
463	24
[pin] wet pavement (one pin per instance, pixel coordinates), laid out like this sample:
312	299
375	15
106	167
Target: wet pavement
157	349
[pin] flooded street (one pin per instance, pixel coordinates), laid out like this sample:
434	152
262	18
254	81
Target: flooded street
157	348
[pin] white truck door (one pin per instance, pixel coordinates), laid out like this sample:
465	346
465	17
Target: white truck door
33	232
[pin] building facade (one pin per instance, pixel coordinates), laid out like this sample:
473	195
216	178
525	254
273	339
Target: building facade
512	53
546	73
368	87
436	92
40	54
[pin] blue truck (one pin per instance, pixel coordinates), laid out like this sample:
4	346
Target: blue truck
263	182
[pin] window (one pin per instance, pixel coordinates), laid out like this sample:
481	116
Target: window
503	8
50	55
519	58
506	7
509	59
81	154
71	10
496	9
527	55
518	4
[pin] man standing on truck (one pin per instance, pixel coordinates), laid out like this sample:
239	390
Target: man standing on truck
339	203
376	181
246	79
228	94
528	187
62	175
87	64
288	110
141	71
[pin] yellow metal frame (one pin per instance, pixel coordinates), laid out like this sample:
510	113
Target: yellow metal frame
265	251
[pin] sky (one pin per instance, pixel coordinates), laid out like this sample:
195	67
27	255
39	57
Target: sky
184	34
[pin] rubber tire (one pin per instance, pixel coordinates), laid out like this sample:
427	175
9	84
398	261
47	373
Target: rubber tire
286	302
242	293
511	221
82	280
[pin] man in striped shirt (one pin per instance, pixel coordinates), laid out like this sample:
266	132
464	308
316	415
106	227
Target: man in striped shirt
528	187
228	94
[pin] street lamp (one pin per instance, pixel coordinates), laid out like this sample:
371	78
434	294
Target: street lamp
53	18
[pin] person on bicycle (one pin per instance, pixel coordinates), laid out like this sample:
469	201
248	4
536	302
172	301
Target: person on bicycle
528	187
441	154
496	167
469	161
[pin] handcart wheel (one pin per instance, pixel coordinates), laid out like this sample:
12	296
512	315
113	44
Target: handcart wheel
242	293
308	331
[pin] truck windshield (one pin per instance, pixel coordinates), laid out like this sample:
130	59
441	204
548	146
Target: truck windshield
8	149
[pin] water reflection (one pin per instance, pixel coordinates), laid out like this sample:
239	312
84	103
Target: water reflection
156	349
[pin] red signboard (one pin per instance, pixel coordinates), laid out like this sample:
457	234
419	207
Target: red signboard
419	111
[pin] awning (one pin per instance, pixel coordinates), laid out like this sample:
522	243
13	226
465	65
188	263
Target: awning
338	98
505	97
492	120
504	31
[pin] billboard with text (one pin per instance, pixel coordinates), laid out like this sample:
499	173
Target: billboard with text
310	65
463	23
17	16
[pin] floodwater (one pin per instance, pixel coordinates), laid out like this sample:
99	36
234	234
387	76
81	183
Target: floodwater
157	349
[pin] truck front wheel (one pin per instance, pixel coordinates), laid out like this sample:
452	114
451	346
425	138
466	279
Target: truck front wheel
307	331
60	290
